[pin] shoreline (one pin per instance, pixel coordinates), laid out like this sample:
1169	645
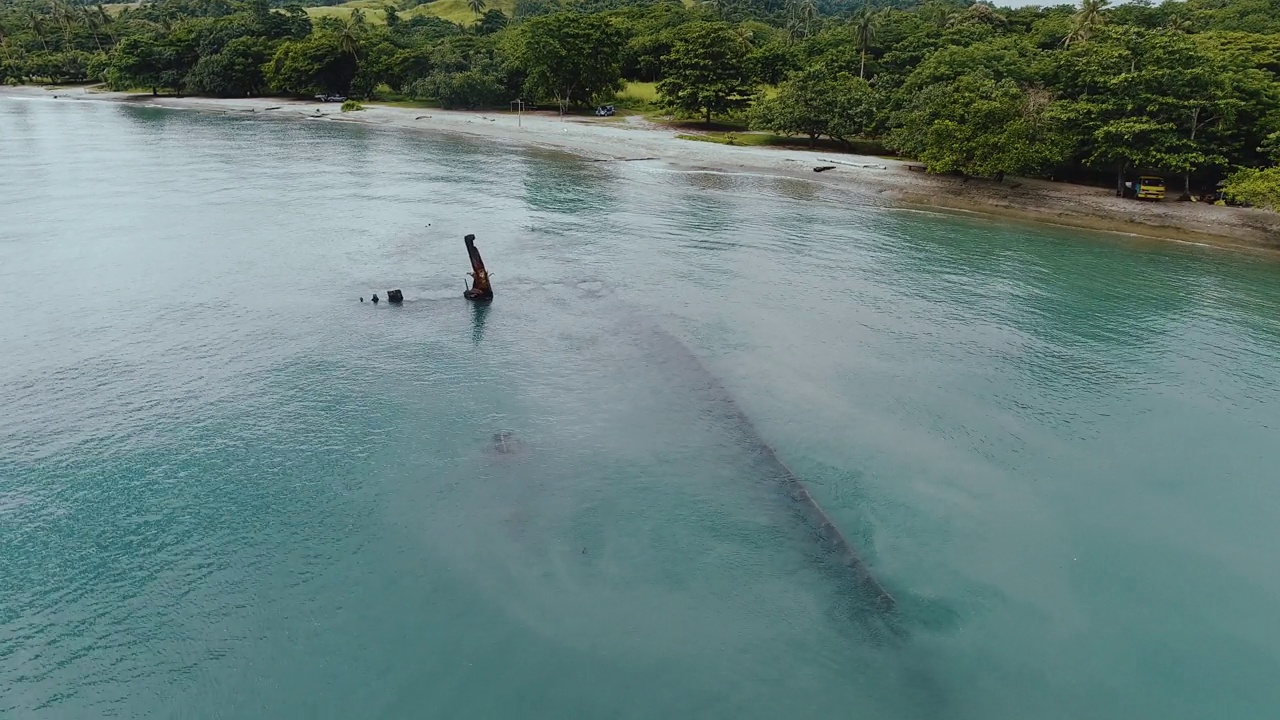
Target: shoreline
635	139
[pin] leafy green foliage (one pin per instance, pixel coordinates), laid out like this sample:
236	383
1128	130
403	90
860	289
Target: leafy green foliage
476	87
817	103
236	71
1271	146
983	127
352	106
315	64
492	21
149	61
572	59
1252	186
1092	91
708	71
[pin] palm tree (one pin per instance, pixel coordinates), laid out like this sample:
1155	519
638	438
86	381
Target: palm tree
1086	21
935	12
801	15
717	6
104	21
36	24
91	23
476	6
349	35
865	24
807	13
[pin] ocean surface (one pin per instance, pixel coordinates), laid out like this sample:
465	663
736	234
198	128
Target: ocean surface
230	489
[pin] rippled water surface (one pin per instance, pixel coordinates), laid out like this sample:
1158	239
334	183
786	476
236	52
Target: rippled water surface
230	489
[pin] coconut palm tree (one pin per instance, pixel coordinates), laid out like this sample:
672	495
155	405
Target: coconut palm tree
717	6
65	15
476	6
349	35
1178	23
36	23
1086	21
935	12
865	24
807	14
91	22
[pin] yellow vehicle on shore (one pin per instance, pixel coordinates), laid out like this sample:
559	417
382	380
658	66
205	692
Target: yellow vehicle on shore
1147	187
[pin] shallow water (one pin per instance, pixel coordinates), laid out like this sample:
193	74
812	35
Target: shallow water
230	489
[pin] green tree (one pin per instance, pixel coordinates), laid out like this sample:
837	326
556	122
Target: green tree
708	70
1251	186
470	89
36	24
476	6
491	22
978	126
866	23
316	64
816	103
236	71
1271	146
571	58
801	17
1157	99
144	61
1087	20
350	34
1128	143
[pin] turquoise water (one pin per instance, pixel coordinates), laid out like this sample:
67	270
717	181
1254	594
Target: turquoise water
230	489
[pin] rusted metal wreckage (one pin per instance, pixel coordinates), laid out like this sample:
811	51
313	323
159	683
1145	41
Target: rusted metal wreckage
828	535
480	289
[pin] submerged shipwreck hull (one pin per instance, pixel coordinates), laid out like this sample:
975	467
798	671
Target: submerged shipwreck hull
807	507
671	347
480	290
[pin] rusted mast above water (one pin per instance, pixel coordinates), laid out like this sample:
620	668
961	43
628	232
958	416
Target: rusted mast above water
480	288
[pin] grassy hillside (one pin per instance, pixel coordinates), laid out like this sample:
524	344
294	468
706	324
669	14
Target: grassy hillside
451	10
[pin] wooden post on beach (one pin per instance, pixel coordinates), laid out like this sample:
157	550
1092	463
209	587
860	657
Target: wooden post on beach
480	288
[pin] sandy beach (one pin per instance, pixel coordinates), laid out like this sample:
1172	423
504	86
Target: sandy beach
636	139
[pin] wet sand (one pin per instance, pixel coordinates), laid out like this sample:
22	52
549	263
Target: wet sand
636	139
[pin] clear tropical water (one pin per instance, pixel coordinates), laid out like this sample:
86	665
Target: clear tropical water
230	489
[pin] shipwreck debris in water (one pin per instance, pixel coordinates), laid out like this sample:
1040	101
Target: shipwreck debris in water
480	289
828	535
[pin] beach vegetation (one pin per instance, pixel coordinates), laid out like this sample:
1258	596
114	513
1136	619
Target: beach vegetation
707	71
571	58
818	102
1259	187
1093	92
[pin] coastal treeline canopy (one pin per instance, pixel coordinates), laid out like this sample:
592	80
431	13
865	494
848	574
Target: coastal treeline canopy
1188	89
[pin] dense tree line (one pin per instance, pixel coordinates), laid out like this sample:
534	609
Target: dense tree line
1184	88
